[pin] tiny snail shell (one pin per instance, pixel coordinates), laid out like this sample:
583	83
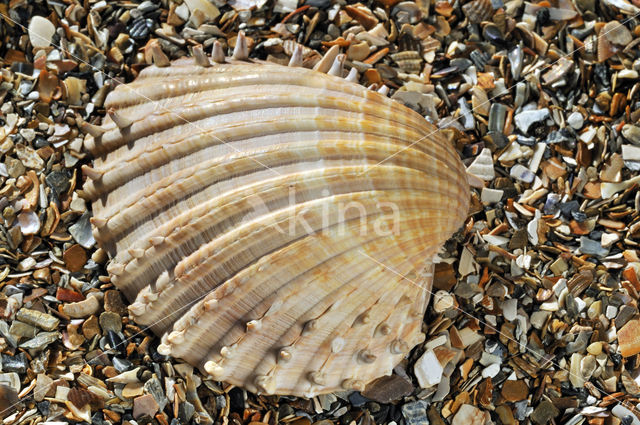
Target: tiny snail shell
274	225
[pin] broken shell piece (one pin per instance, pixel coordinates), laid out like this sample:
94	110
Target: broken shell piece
202	226
482	166
629	338
478	10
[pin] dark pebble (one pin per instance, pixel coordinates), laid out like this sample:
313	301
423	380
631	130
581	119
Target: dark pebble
602	75
22	67
121	365
115	342
236	400
40	142
498	139
45	406
569	207
461	64
320	4
624	315
543	17
493	35
578	216
544	412
526	140
388	388
17	363
559	136
58	182
140	28
480	59
570	304
357	399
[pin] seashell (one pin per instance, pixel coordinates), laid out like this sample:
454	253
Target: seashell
616	33
493	35
480	58
409	61
500	19
478	10
261	219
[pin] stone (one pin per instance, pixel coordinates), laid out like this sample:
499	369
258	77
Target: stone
591	247
428	370
29	157
15	363
510	309
14	167
539	318
41	31
608	239
491	371
40	341
37	318
588	366
595	348
144	406
387	389
74	257
58	182
625	313
575	371
579	344
470	415
113	302
543	413
110	321
154	387
207	8
621	412
631	133
505	415
629	338
22	330
525	119
91	327
43	387
575	120
81	231
630	153
358	51
415	413
514	390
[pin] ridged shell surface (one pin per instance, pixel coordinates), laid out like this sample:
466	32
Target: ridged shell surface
274	225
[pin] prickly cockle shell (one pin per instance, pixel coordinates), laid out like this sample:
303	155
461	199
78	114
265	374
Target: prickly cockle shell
274	225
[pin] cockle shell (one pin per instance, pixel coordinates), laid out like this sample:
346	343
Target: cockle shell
274	225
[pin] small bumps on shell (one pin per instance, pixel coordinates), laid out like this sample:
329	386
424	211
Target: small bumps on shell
243	205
